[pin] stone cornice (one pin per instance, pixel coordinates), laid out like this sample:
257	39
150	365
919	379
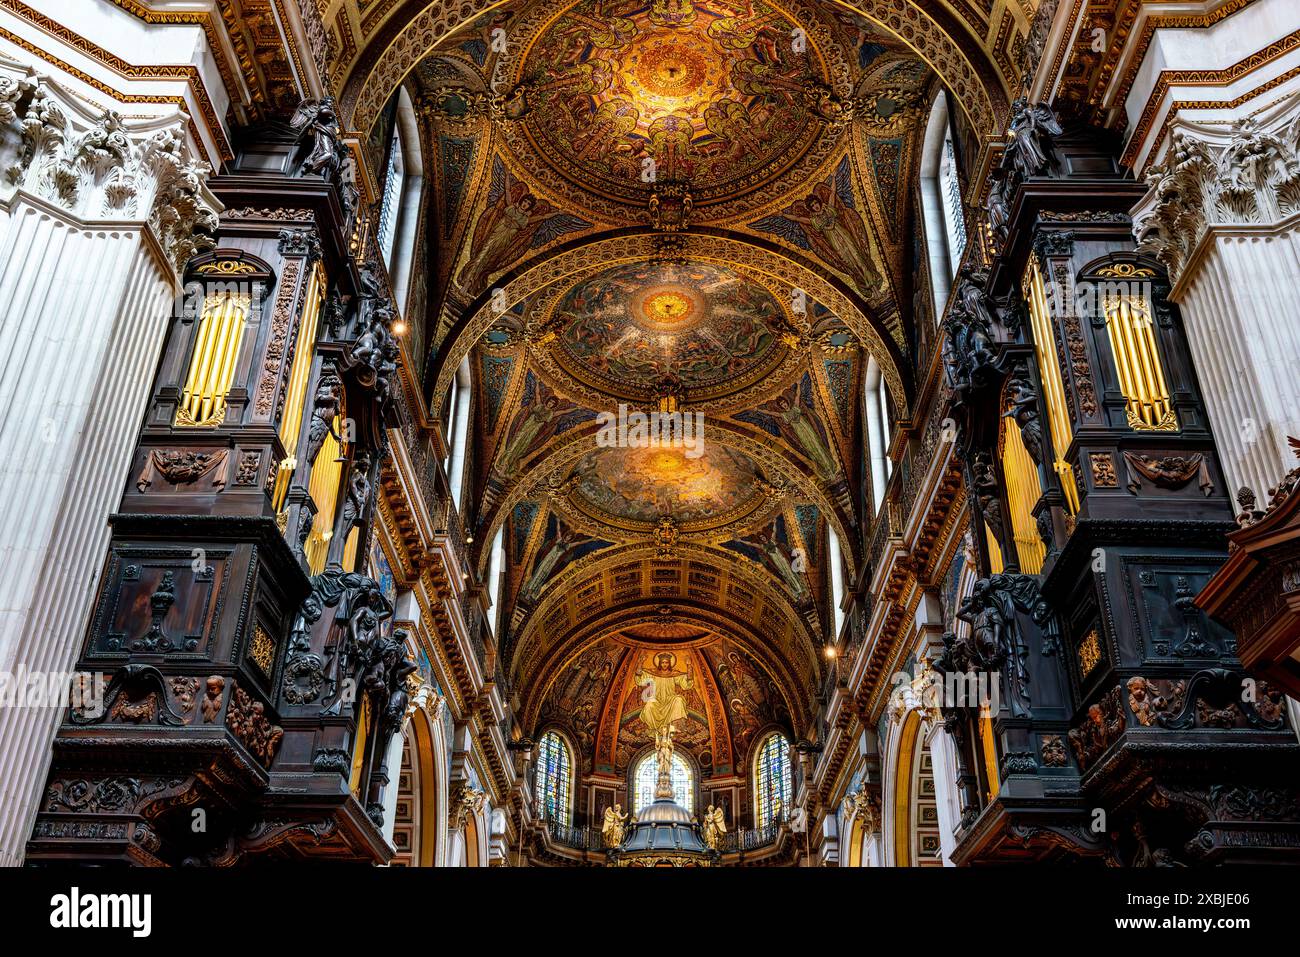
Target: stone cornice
1247	175
153	74
99	167
1144	144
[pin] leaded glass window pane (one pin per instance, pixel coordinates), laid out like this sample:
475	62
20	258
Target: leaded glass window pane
647	774
554	779
772	779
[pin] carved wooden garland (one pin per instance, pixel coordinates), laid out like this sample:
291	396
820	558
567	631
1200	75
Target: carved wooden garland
181	467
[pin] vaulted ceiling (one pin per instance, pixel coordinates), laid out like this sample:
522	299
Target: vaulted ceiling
699	203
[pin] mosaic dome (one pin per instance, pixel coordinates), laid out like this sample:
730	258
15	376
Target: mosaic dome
639	486
636	328
626	94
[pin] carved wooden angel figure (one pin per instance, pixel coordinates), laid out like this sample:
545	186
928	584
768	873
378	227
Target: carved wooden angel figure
388	355
1023	400
325	408
1032	129
398	667
367	352
358	493
975	304
999	203
319	121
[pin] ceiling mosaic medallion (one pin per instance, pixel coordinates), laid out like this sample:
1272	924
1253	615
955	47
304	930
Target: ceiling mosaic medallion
635	488
692	329
626	94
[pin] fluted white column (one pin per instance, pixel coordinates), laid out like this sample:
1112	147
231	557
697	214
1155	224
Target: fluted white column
84	313
1240	303
95	220
1223	214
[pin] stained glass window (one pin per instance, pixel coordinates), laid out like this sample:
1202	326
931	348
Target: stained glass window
647	776
772	783
554	779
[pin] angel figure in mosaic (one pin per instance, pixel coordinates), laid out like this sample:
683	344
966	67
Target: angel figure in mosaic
826	222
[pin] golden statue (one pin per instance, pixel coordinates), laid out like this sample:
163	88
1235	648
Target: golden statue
615	826
714	826
662	704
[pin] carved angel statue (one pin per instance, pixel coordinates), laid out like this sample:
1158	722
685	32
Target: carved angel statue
615	826
1032	129
358	492
325	408
714	826
319	121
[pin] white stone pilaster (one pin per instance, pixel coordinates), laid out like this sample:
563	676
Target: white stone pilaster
97	214
1223	215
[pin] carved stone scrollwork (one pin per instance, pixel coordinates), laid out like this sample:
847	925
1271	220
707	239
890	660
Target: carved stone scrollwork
108	168
467	800
921	696
864	806
1252	178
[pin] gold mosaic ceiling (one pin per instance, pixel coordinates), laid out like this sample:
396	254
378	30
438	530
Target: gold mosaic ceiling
622	97
746	278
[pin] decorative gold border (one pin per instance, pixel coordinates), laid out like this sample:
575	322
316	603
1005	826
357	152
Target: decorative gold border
1224	77
1171	21
190	74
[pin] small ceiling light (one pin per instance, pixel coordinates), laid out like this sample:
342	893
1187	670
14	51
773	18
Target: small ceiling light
399	328
830	652
469	539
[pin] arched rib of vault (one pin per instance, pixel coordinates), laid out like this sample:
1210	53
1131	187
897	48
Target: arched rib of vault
565	265
535	685
376	75
774	618
551	466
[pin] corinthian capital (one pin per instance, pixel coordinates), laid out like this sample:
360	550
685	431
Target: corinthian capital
1250	176
97	166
